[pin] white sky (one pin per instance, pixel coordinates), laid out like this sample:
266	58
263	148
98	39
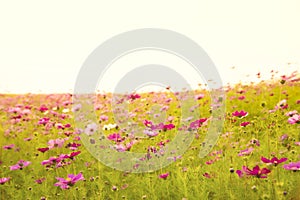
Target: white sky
43	44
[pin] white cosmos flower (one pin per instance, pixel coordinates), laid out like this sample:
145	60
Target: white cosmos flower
66	110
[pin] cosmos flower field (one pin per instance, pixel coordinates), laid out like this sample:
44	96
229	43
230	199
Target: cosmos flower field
257	156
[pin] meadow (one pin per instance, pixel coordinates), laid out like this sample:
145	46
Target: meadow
257	155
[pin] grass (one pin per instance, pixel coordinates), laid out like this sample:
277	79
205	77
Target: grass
186	180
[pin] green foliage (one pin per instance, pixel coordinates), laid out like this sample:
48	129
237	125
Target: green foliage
186	180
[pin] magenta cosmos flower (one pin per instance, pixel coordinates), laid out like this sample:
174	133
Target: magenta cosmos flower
73	146
274	160
148	123
294	166
134	96
43	150
164	176
4	180
256	171
160	126
240	114
20	165
168	126
70	181
244	124
115	137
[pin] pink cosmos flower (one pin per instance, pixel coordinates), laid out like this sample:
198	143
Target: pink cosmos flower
164	108
40	181
246	152
294	166
76	107
159	126
4	180
67	126
274	160
293	77
188	119
49	162
284	137
215	153
63	163
7	147
150	133
282	104
151	149
59	143
241	97
73	146
255	141
59	126
164	176
295	119
20	165
198	123
199	96
174	158
14	110
241	91
256	171
274	110
70	181
103	118
168	100
124	186
170	118
122	147
44	121
91	129
291	113
26	112
163	143
28	139
240	114
60	160
212	161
